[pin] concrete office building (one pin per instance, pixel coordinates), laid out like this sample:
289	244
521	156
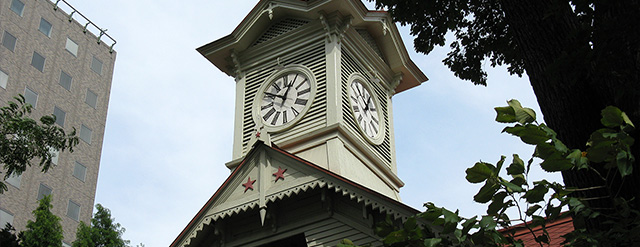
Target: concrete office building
63	64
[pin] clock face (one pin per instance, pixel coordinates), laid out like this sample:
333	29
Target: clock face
364	109
285	98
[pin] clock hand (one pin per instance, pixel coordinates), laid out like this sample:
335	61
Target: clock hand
272	95
366	107
284	96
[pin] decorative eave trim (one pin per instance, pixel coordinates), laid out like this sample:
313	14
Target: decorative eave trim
327	180
336	186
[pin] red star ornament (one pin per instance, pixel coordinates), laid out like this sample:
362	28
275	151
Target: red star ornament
249	184
280	174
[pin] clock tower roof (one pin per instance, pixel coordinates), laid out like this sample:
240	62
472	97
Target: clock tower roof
377	23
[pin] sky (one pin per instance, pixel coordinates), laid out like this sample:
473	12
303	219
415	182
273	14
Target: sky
170	120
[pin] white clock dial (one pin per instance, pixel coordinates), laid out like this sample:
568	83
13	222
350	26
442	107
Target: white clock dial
364	109
285	98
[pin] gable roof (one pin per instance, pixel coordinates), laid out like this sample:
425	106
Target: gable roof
233	198
379	23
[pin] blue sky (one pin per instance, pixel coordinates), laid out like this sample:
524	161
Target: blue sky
168	134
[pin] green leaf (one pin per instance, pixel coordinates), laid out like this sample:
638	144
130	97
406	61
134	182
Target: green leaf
523	115
395	237
531	210
532	134
488	223
556	163
625	166
497	203
480	172
518	180
410	224
430	242
578	159
486	192
449	216
468	225
537	220
536	194
516	167
499	165
505	114
626	119
511	187
611	117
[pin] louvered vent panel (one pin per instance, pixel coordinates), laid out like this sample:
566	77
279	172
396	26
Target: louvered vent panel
280	28
350	66
369	39
312	57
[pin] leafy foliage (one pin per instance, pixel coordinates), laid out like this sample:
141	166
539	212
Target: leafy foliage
46	230
22	139
8	237
103	232
537	202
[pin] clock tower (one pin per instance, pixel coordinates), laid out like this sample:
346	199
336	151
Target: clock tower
313	151
316	78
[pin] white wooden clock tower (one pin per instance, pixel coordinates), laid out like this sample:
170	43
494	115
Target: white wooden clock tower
313	124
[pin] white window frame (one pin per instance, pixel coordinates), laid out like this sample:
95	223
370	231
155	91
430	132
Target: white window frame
72	47
4	79
5	217
14	180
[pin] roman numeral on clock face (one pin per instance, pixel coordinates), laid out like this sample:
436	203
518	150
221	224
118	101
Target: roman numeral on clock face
285	98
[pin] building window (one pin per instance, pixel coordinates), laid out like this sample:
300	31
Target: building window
4	78
45	27
60	115
30	97
14	180
43	191
5	217
9	41
54	155
65	80
73	210
80	171
17	7
85	134
96	66
37	61
72	47
91	99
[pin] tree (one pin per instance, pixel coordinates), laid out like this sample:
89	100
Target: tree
536	202
580	56
8	237
103	232
22	139
46	230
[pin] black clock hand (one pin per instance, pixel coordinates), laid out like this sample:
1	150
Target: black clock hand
272	95
366	107
284	96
